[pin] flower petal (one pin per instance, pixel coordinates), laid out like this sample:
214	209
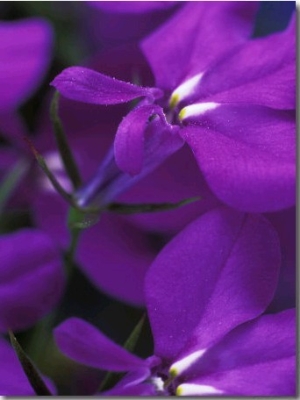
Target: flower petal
177	178
87	345
247	155
262	71
194	37
130	7
115	256
129	141
133	384
141	146
31	275
220	271
25	50
255	359
88	86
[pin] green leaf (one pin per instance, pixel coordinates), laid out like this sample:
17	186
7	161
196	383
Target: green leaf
10	182
31	372
148	208
62	144
131	342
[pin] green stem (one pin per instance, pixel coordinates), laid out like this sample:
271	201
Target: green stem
62	144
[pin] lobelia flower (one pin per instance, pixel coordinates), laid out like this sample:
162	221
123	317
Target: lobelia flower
115	253
206	293
231	99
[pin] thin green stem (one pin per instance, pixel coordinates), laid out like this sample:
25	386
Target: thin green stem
62	143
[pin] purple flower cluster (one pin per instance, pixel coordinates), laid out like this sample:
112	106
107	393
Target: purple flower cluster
180	101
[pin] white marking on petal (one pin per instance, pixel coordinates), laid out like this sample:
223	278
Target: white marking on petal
184	90
196	109
192	389
179	366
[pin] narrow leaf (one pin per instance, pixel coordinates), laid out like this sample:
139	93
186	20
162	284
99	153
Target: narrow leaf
131	342
122	208
111	378
32	374
62	144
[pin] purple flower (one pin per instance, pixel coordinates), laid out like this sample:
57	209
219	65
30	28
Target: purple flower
206	293
230	99
115	253
25	52
31	278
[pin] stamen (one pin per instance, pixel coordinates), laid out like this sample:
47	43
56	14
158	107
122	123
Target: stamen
192	389
196	109
178	367
184	90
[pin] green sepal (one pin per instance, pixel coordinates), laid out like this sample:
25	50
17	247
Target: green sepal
31	372
79	220
62	144
122	208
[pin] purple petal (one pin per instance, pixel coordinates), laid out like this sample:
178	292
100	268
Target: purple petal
276	90
25	50
13	381
115	255
127	7
220	271
255	359
140	389
85	344
32	278
133	149
88	86
133	384
160	141
247	155
177	178
129	142
263	71
194	37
